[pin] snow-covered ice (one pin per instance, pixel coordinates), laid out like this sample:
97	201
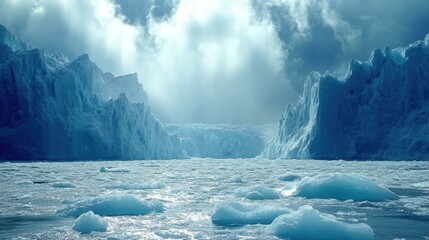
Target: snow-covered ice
89	222
308	223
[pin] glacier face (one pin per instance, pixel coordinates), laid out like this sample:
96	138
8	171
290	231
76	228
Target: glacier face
53	108
379	110
222	140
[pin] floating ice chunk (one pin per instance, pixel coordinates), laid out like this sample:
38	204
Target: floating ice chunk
258	193
237	179
107	169
421	184
63	185
236	213
24	182
289	177
113	205
343	187
308	223
173	234
90	222
155	185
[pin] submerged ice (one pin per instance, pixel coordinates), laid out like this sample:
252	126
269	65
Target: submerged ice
379	110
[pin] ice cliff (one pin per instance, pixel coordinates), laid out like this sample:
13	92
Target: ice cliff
222	140
378	110
52	108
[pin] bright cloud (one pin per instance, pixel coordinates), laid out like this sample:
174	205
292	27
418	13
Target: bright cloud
217	60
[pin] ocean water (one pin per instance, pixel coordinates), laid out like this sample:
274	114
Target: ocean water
34	196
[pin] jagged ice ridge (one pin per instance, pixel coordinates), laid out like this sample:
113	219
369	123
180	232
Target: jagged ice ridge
379	110
56	109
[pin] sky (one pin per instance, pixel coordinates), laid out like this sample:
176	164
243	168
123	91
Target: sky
218	61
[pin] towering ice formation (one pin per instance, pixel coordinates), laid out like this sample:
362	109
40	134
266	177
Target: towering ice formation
379	110
129	84
52	108
13	42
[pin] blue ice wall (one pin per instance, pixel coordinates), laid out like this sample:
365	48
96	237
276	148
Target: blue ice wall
379	110
56	109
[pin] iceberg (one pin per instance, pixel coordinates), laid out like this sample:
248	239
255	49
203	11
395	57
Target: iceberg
343	187
89	222
379	110
308	223
56	109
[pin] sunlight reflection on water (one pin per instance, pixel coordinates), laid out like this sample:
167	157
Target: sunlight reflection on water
193	188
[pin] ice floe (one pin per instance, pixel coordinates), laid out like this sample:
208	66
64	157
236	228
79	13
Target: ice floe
289	177
258	193
89	222
111	169
113	205
237	213
308	223
343	186
154	185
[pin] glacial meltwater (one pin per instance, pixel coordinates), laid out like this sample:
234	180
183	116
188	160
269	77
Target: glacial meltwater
214	199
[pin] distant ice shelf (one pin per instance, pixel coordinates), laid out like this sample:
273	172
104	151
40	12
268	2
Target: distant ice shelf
222	140
378	110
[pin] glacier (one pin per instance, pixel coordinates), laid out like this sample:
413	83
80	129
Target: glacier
56	109
378	110
222	140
